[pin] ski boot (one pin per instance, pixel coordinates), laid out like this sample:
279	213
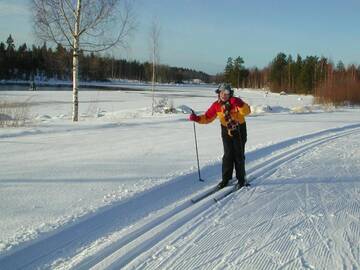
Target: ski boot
222	184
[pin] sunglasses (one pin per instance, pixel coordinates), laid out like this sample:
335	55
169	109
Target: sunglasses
225	91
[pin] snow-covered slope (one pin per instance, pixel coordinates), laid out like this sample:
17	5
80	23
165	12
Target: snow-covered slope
114	190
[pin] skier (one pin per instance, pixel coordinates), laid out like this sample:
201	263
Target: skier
231	112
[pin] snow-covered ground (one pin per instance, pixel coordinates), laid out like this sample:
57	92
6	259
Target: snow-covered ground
113	190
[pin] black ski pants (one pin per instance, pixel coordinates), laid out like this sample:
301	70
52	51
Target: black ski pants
234	153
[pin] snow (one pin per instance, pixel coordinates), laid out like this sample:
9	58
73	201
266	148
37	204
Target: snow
114	189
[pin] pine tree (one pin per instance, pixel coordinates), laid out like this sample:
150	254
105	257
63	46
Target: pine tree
278	72
2	59
10	57
238	71
10	44
340	66
290	66
308	74
229	70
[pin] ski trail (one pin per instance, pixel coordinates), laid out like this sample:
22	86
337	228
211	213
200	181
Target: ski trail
351	230
318	233
296	151
219	227
160	227
308	234
115	261
120	257
277	240
266	168
194	235
264	227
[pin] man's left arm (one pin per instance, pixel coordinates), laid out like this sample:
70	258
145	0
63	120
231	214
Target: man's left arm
242	107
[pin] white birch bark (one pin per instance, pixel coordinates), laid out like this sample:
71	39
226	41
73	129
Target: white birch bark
154	40
75	116
83	26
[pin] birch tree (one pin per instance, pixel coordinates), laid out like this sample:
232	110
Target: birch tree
83	26
155	56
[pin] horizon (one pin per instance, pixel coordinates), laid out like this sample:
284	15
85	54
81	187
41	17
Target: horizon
255	31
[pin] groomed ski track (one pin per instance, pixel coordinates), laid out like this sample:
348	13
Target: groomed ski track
142	244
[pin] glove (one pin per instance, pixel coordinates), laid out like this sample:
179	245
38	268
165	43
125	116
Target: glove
194	117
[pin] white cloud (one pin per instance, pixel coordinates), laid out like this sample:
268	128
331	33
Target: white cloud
10	9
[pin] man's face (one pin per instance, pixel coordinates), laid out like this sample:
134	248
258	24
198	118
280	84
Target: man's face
224	95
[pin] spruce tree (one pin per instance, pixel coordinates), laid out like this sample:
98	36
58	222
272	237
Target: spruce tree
278	72
229	70
2	59
10	43
237	70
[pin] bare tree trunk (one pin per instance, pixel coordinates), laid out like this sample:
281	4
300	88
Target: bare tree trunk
289	77
153	82
154	44
75	117
238	80
76	64
112	68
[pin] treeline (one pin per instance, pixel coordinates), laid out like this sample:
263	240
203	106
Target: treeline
314	75
25	63
317	76
238	76
311	75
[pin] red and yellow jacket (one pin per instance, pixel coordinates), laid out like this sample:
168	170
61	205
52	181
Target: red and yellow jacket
238	110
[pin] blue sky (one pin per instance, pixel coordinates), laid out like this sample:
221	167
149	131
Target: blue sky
202	34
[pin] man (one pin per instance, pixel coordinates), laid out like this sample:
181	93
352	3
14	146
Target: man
231	112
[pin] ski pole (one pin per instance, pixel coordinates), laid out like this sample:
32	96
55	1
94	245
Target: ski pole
197	152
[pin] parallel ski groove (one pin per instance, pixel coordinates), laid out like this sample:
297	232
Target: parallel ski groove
277	159
289	157
262	169
285	157
125	254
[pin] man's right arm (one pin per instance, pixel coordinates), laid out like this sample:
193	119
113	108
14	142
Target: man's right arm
210	114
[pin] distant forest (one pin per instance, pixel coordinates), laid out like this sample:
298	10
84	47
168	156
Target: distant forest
313	75
25	62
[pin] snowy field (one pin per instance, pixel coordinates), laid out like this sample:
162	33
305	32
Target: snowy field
114	190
